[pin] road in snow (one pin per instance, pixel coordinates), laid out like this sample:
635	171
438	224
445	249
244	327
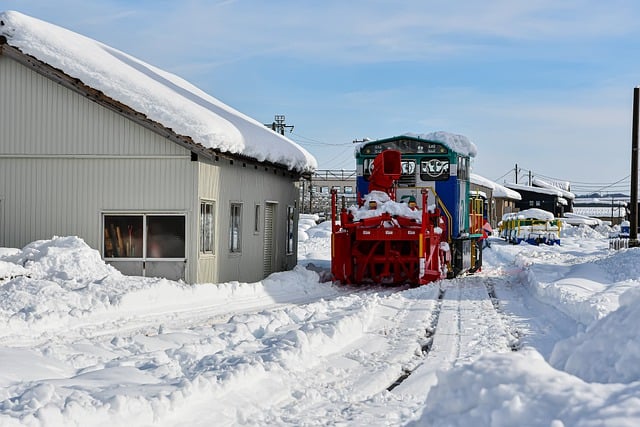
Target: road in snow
81	344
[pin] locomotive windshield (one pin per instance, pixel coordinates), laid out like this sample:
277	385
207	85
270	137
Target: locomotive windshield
405	146
408	167
434	169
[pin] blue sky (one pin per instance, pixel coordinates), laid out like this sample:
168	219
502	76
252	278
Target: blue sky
547	85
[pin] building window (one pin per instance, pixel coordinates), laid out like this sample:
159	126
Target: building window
348	189
324	190
290	229
144	236
123	236
165	236
235	228
207	227
256	219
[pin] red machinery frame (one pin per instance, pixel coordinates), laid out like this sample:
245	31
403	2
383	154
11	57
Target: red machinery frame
387	249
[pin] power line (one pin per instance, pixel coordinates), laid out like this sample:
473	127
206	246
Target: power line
620	185
311	141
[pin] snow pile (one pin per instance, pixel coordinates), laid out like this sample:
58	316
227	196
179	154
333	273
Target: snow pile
305	222
66	283
583	231
383	204
67	259
610	344
10	270
312	250
522	389
161	96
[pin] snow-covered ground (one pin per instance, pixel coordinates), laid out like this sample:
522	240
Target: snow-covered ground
543	336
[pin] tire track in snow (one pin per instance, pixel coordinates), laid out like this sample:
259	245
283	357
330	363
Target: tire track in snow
468	324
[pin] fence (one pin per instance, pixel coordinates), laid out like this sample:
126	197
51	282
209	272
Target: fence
618	243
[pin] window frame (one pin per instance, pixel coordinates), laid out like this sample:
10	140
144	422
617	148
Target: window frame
257	215
235	213
290	244
207	248
142	236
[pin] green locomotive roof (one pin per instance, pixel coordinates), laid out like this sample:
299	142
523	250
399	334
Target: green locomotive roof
434	142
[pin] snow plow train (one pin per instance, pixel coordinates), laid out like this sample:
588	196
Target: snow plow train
415	221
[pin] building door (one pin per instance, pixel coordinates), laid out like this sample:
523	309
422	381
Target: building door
269	238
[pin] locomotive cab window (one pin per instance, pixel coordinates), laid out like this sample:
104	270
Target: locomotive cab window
434	169
463	168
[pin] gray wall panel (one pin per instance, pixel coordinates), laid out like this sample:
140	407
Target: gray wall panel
41	117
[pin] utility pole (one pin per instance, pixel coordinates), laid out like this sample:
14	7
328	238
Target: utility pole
278	124
516	173
633	229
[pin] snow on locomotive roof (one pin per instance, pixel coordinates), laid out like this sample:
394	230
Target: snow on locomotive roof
458	143
163	97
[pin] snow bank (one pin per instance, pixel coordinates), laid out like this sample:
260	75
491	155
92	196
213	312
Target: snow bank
522	389
584	231
66	284
611	341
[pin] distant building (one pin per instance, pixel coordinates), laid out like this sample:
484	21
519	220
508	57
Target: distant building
316	192
548	199
612	211
160	178
499	199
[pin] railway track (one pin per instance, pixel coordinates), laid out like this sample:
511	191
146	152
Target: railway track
468	320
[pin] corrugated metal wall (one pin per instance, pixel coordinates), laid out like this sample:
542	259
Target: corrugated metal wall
64	160
41	117
227	182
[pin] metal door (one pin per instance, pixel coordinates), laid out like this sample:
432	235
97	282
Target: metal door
268	238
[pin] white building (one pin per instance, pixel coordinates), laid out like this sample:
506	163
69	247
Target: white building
161	178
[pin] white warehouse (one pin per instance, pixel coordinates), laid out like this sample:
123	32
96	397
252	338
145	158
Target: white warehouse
161	178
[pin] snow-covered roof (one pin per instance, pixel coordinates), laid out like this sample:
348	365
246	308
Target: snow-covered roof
458	143
533	213
161	96
554	186
498	190
478	193
520	187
